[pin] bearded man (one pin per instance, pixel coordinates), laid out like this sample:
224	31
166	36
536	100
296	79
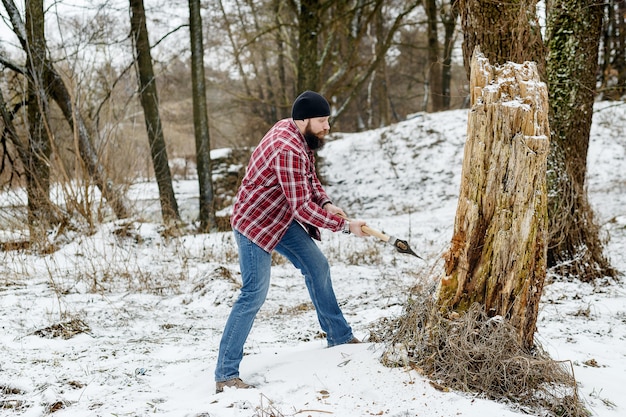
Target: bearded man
280	206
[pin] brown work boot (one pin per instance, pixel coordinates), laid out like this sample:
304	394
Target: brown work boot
231	383
352	341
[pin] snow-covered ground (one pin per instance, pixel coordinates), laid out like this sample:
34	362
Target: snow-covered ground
149	311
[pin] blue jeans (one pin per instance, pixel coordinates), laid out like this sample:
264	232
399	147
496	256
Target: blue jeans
255	263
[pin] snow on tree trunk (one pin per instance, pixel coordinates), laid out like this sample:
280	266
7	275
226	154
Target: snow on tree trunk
498	250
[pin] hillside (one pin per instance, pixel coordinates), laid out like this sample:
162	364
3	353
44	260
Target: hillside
126	323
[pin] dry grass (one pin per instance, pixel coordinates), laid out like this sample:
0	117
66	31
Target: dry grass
64	330
475	353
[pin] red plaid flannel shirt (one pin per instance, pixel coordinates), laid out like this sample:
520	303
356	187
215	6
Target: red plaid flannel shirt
281	185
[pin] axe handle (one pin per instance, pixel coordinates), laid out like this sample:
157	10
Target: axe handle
370	231
375	233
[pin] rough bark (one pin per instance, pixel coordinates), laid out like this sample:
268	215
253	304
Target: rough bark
150	104
504	31
573	34
498	251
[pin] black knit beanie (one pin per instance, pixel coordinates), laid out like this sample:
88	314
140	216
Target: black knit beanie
308	105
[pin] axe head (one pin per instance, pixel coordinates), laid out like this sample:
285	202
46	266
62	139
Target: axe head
402	246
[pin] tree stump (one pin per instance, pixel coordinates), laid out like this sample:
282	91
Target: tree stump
498	251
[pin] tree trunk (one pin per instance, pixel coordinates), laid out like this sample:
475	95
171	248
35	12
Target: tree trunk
504	31
620	48
382	77
201	120
613	58
309	27
605	64
9	132
283	99
498	251
150	104
37	165
434	61
450	15
573	33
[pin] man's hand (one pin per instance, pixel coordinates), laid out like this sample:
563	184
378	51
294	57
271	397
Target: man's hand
356	228
355	225
333	209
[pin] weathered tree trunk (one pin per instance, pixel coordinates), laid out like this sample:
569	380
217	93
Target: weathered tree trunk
201	120
150	104
573	34
498	251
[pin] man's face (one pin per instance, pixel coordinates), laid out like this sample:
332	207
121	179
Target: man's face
314	132
316	129
319	126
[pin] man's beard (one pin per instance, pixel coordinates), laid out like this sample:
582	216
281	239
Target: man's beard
314	141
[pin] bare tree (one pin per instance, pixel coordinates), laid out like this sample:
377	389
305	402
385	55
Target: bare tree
435	80
613	57
440	59
58	91
150	103
309	27
10	139
449	15
39	146
337	48
573	34
200	120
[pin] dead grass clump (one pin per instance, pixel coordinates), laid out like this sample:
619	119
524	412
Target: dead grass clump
295	310
475	353
371	255
13	404
64	330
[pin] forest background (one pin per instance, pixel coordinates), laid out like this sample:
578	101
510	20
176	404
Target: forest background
378	62
375	73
